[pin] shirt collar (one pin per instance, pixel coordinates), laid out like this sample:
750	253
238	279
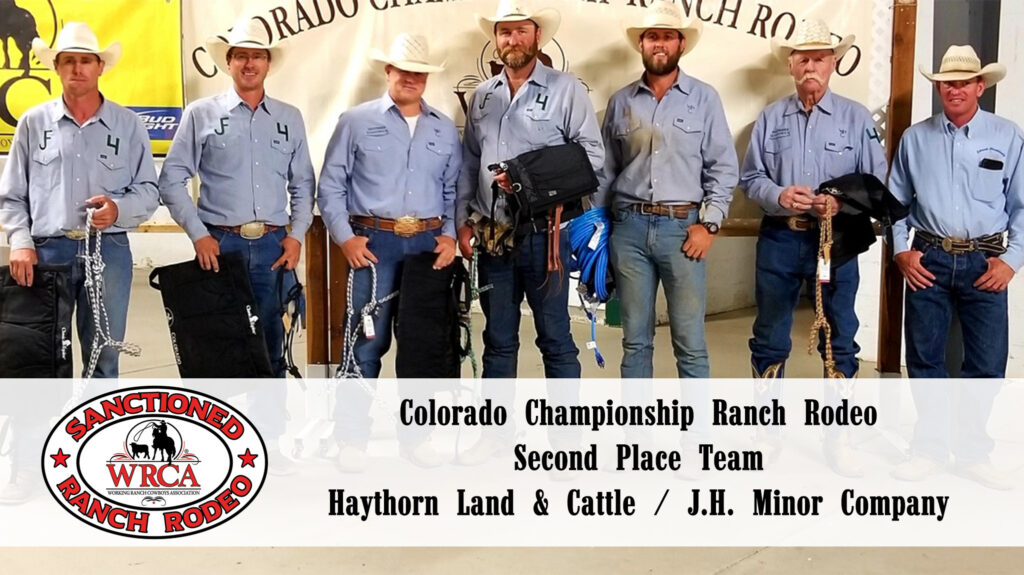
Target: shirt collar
684	84
825	104
60	110
539	75
386	103
232	100
975	126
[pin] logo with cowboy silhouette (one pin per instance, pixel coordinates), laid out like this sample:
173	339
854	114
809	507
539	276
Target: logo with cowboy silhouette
154	462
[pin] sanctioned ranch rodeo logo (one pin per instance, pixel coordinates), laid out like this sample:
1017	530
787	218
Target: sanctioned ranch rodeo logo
154	462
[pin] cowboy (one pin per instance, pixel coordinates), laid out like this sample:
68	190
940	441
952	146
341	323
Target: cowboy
387	190
76	153
668	175
959	173
797	143
255	194
527	106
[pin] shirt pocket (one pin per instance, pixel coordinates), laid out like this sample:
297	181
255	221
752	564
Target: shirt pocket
44	176
988	184
687	135
437	157
838	159
541	129
112	175
281	156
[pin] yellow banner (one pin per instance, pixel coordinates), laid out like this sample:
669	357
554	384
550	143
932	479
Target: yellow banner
147	79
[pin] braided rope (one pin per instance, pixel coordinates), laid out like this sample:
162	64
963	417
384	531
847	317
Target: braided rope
820	321
94	266
467	319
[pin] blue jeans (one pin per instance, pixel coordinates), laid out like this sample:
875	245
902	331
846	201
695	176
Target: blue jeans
548	296
117	286
351	412
510	280
983	317
646	249
985	324
267	399
785	261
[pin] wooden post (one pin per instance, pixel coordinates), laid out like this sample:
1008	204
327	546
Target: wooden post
317	318
890	306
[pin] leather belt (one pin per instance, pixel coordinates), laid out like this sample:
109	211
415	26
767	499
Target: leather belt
250	230
992	244
677	211
405	226
801	223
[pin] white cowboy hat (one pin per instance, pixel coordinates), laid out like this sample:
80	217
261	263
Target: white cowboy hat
962	63
665	15
246	33
513	11
811	34
409	52
79	38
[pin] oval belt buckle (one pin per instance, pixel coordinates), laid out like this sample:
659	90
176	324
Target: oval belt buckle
947	245
407	226
252	230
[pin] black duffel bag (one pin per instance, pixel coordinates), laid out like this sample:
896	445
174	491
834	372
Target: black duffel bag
35	324
215	326
546	178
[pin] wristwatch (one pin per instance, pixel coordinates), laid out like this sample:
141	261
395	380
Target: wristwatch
711	227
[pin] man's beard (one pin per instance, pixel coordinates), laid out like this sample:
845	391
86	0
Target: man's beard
518	57
661	69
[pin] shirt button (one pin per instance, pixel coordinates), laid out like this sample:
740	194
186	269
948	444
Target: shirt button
655	181
255	141
78	155
257	185
257	163
657	151
78	179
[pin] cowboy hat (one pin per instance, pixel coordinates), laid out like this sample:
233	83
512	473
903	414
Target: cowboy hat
409	52
962	63
665	15
547	19
811	34
79	38
246	33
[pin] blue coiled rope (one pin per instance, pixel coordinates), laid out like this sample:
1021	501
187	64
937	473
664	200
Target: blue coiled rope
588	238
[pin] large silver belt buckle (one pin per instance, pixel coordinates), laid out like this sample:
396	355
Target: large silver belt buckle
252	230
407	226
76	234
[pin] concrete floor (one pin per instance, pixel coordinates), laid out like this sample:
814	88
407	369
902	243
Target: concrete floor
727	336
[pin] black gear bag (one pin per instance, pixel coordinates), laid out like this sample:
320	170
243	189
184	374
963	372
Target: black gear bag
427	327
35	324
215	326
547	178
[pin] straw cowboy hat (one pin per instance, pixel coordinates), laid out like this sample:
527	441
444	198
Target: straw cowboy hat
811	34
513	11
246	33
79	38
409	52
962	63
665	15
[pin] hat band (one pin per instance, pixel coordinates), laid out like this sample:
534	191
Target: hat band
86	48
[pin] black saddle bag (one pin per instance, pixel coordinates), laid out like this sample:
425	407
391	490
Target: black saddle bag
547	178
215	326
427	327
35	324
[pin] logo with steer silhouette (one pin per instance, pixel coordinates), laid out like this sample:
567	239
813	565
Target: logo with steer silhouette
154	462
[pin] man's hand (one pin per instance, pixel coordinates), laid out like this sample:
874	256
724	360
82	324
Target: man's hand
445	251
917	276
290	258
698	242
356	253
207	250
996	278
465	241
23	261
826	204
501	178
797	199
106	211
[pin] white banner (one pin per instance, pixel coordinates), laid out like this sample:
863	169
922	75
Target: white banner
328	68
